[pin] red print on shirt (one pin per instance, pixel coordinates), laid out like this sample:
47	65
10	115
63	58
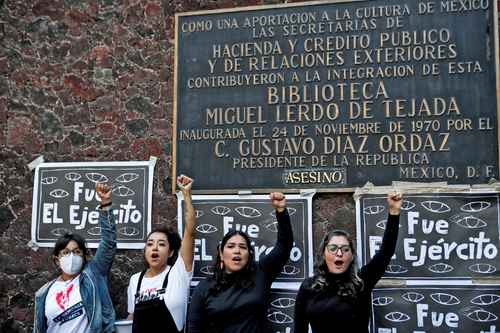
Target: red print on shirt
62	297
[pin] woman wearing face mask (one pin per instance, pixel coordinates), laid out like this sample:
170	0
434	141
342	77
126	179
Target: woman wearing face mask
157	296
337	297
235	299
78	300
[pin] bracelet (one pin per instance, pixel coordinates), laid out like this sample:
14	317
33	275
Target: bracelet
106	205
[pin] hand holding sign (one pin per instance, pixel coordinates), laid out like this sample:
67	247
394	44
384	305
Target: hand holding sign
104	192
394	201
278	201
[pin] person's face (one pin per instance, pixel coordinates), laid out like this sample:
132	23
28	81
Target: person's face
157	250
72	246
235	254
338	254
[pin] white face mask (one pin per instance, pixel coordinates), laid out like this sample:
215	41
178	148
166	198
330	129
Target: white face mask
71	264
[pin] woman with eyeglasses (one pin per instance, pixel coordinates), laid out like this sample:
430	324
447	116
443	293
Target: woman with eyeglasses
337	297
78	300
236	298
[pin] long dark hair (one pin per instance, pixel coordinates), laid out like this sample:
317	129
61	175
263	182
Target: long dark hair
63	241
174	243
345	287
245	277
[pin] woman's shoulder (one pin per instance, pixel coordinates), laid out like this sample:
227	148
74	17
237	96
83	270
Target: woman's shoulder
206	283
307	283
44	289
204	286
134	278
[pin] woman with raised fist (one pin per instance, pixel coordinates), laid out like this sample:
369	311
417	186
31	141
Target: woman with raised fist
236	298
157	296
337	297
78	300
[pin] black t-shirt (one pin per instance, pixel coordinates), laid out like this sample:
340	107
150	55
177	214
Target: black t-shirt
328	312
237	309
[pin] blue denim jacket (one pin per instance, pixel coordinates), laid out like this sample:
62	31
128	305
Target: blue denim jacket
93	283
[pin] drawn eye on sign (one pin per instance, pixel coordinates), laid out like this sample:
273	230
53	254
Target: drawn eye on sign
478	314
412	297
475	206
440	268
58	232
58	193
485	299
273	226
123	191
206	228
220	210
94	231
436	206
482	268
395	269
283	302
96	177
468	221
382	301
290	270
445	299
128	231
72	176
407	205
248	212
279	317
49	180
381	224
127	177
373	210
397	317
207	270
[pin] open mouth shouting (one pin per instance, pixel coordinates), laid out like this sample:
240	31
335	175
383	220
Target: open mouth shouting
155	257
235	263
339	265
236	260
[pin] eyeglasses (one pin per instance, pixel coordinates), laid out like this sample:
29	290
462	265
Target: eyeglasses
333	248
65	252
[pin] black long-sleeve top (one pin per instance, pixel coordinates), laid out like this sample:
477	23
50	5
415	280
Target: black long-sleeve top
237	309
328	312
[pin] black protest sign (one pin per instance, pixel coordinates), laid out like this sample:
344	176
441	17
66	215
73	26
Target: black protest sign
64	200
438	309
216	215
281	310
441	236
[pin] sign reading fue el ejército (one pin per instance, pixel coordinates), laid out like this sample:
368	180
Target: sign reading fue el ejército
65	201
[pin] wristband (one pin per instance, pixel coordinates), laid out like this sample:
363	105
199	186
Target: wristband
106	205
